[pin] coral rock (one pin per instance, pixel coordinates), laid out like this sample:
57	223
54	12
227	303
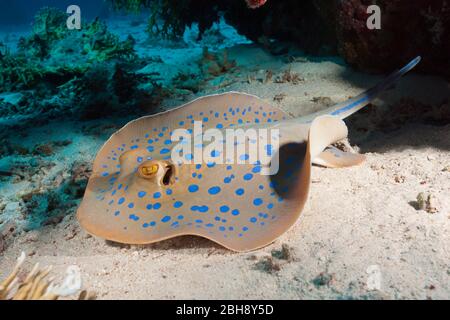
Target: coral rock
408	29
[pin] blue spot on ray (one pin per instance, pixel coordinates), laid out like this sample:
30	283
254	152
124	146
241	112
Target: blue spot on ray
215	153
257	201
244	157
133	217
157	206
193	188
214	190
202	209
166	219
142	194
256	169
268	148
178	204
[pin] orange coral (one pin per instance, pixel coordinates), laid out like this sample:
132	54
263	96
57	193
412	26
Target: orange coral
255	3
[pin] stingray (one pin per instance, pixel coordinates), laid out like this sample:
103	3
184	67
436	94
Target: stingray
138	194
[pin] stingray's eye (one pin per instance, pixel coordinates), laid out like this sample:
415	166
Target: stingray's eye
148	171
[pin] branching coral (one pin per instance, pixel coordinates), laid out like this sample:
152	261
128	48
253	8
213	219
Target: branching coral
50	24
53	60
101	45
169	19
16	71
35	286
57	55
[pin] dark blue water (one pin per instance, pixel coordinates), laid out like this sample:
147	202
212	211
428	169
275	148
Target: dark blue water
19	12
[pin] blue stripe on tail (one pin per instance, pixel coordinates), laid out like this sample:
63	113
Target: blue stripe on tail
370	94
350	106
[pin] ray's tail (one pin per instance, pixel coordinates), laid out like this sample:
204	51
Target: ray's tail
347	108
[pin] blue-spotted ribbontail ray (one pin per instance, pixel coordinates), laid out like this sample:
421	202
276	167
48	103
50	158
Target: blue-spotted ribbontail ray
137	194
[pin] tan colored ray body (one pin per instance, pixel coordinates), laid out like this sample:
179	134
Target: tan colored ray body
138	194
237	221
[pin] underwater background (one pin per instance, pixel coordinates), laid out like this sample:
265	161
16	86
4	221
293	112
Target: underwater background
64	92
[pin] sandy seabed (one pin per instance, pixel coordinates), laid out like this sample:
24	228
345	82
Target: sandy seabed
359	222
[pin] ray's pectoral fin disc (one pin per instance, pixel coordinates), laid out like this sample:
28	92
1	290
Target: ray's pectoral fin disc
137	195
332	157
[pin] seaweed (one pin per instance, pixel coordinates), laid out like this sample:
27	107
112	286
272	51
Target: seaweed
169	19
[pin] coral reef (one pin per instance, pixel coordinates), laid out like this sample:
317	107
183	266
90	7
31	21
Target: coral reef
328	27
65	71
35	286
